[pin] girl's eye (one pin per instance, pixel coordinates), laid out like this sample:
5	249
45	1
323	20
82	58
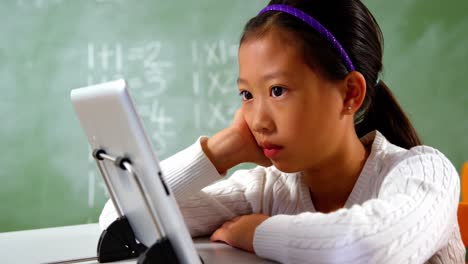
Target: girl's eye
277	91
246	95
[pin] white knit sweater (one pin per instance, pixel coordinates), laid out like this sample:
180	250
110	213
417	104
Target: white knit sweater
402	209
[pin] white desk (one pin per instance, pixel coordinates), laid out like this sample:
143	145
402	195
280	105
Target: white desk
80	241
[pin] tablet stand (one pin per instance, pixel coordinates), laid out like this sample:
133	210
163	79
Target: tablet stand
118	241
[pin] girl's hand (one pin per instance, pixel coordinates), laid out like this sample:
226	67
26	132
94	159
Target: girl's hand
239	232
234	145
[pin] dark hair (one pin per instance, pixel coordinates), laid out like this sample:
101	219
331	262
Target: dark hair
358	32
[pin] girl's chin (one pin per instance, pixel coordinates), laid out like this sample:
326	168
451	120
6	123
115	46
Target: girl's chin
286	167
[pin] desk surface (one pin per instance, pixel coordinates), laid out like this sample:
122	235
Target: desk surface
72	242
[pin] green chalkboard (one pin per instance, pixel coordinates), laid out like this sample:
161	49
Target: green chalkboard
180	61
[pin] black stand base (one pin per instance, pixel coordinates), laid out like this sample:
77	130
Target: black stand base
161	252
118	242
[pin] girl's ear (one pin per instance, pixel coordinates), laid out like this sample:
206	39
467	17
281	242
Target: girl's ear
354	92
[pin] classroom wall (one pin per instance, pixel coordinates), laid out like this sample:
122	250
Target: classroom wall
180	61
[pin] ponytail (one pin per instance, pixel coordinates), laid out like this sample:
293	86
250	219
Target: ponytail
383	113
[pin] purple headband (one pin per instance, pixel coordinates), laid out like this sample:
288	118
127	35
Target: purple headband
315	25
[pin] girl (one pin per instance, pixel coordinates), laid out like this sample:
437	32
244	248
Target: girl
342	175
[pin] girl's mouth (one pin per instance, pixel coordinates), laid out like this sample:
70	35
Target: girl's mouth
271	151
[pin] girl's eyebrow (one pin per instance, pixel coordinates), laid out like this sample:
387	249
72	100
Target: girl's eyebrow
266	77
274	75
241	81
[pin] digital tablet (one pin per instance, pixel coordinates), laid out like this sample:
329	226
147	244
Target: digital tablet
110	121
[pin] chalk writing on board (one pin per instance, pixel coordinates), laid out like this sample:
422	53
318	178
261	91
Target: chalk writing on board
213	78
152	68
221	114
213	53
162	122
103	54
105	62
222	82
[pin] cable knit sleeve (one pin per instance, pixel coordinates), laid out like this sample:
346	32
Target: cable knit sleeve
204	208
411	219
209	208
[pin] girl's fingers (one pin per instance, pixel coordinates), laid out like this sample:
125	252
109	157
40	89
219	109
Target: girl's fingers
219	235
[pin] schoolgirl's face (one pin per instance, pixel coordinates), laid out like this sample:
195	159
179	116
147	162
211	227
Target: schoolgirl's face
294	114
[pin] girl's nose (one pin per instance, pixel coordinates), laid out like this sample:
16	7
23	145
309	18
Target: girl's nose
262	122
